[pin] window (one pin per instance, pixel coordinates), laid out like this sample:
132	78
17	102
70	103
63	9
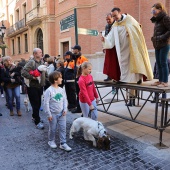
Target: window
11	20
40	39
1	4
24	10
26	43
17	15
13	47
19	47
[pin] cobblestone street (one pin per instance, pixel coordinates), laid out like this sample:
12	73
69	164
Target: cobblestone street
23	147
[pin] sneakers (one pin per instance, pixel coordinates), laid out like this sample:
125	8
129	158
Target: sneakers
65	147
41	109
33	120
52	144
40	126
113	91
2	95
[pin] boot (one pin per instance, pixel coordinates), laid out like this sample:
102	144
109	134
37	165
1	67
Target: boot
154	100
11	113
130	103
19	113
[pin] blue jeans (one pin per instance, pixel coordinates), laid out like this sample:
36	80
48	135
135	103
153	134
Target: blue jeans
2	89
16	92
162	62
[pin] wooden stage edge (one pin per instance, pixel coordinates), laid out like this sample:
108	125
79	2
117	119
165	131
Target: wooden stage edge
145	86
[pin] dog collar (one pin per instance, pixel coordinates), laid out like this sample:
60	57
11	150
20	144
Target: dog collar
100	124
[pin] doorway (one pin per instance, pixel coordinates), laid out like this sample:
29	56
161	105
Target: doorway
40	39
65	46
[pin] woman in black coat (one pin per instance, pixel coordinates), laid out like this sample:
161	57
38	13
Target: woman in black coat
161	42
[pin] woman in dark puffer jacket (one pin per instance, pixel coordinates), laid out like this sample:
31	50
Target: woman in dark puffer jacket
161	42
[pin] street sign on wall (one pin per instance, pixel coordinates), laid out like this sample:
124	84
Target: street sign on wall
67	22
88	32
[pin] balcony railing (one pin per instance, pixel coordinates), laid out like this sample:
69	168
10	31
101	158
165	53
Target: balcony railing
20	24
33	14
10	30
17	26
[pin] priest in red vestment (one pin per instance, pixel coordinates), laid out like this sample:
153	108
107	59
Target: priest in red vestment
111	65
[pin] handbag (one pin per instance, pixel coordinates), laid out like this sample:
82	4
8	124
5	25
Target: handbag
12	85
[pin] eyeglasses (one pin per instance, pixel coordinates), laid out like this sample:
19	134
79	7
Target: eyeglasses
153	12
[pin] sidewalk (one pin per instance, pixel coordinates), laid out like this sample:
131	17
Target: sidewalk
23	147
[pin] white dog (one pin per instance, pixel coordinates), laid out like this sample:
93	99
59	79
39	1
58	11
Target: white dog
92	129
26	103
36	73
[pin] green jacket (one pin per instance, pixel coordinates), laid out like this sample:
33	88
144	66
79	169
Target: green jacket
32	65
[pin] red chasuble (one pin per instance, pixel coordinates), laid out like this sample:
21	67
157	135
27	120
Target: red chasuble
111	65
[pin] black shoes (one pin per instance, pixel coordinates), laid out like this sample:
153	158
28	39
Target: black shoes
131	102
139	82
120	82
0	114
108	79
72	109
76	111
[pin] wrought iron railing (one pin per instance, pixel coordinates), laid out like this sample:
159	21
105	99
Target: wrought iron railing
20	24
17	26
10	30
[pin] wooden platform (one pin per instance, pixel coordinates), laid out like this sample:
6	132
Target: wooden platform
145	86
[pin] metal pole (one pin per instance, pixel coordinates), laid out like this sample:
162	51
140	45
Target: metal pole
76	29
3	49
2	29
3	52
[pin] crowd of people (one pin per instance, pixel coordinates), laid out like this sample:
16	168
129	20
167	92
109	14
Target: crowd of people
68	85
43	74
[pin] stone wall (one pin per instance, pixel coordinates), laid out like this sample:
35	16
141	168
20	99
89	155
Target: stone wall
97	61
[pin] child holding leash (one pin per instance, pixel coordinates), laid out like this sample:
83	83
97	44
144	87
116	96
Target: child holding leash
88	96
55	105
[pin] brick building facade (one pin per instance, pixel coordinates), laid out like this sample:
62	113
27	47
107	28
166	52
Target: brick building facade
36	23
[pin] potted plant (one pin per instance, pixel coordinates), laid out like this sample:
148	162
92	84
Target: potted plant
3	46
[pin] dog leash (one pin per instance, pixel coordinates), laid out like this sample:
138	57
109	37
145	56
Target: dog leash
90	111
